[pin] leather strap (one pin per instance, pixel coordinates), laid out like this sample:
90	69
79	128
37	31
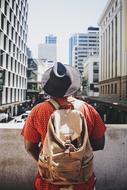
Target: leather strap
55	104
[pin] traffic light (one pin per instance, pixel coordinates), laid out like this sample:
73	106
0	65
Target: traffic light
2	79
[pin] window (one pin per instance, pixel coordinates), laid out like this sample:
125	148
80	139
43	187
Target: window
115	88
14	21
5	42
101	89
96	89
95	63
10	17
15	66
1	60
16	9
111	88
108	89
13	80
13	4
6	61
17	26
8	28
6	95
12	33
2	21
11	95
5	8
9	78
13	50
11	63
116	3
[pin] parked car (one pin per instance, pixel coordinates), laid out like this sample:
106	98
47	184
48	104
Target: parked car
28	111
21	118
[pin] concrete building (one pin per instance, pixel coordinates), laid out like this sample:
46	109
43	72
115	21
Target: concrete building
32	79
13	54
29	53
113	67
35	70
81	45
48	50
42	66
91	76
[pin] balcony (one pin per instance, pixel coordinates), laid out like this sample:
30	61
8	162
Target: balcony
17	168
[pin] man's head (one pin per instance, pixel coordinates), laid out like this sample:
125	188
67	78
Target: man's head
61	80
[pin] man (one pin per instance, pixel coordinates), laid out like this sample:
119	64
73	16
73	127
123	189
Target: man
60	82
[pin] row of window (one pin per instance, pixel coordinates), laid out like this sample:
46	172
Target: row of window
14	14
13	95
111	12
9	47
109	89
15	33
15	81
109	52
12	64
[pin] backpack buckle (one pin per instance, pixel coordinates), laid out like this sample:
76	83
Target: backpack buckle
67	143
69	147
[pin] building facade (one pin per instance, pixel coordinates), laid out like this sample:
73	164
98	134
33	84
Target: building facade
113	67
50	39
91	76
13	54
32	79
81	45
48	50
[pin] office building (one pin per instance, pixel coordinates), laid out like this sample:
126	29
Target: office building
50	39
13	54
32	79
81	45
113	67
48	50
91	75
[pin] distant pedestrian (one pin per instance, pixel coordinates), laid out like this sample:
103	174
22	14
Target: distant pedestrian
61	82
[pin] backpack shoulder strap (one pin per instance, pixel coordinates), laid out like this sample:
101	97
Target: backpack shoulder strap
54	103
78	104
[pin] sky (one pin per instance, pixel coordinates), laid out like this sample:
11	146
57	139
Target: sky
62	18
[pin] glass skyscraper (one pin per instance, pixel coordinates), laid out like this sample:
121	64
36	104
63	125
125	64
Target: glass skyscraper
50	39
81	45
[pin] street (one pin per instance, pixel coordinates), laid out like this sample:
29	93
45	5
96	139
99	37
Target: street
12	124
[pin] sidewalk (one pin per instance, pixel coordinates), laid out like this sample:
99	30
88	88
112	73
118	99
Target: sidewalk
17	168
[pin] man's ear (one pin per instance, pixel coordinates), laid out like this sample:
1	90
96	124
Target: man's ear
98	144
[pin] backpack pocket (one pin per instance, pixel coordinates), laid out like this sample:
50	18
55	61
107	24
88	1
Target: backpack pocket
86	170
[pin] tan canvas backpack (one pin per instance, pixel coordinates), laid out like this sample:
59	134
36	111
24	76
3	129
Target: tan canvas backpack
66	157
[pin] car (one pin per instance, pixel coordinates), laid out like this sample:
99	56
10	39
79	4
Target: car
24	116
28	111
21	118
